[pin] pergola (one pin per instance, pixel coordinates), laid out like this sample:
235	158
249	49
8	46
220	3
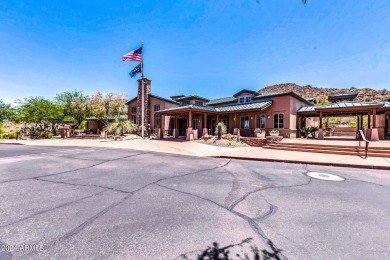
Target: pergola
358	109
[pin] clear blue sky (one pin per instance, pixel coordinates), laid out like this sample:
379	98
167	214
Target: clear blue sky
210	48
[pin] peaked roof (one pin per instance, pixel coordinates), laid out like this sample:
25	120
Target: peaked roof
246	90
221	101
192	96
282	93
238	107
158	97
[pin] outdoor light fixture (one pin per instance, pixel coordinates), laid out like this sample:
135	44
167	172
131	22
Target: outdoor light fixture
268	117
251	117
234	119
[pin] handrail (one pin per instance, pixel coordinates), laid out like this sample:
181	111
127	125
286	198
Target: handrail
362	137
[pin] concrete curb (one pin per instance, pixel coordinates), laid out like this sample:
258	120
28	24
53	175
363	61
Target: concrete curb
375	167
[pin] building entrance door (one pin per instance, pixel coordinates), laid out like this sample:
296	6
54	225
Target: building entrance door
182	126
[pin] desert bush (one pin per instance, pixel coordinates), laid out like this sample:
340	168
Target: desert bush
223	128
42	130
121	126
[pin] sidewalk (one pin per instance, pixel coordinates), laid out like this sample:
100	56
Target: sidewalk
198	149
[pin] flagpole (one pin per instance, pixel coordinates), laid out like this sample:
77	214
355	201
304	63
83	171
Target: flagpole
143	93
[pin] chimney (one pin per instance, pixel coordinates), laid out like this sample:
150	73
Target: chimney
147	91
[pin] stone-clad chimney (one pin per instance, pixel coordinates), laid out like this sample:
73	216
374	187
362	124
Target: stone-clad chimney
147	91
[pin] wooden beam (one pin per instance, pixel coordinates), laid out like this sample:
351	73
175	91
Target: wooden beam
374	118
320	123
369	120
190	119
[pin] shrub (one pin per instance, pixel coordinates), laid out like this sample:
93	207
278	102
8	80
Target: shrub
274	132
223	128
305	131
119	127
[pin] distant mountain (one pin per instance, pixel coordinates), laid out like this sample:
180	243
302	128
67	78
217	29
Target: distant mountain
364	94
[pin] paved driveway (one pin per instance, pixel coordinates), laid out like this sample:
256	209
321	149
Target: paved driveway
101	203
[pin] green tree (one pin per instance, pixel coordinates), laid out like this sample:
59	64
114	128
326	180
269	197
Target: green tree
109	106
7	112
38	110
322	101
74	104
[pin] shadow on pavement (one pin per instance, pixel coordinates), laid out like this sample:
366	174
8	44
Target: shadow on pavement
235	251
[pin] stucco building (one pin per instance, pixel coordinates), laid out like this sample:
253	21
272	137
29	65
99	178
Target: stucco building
248	110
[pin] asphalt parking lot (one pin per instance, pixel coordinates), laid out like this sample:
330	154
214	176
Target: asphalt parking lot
102	203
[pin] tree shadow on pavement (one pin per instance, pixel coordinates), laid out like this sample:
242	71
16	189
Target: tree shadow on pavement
215	252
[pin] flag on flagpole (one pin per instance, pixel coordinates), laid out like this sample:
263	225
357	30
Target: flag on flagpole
136	70
135	55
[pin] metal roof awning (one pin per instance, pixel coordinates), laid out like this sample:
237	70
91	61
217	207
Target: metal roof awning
344	108
216	110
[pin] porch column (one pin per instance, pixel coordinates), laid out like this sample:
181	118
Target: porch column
374	131
235	120
204	125
256	117
320	130
190	119
369	129
369	120
175	130
298	121
217	119
358	122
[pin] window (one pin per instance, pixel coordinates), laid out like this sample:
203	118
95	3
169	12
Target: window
156	107
262	121
278	120
247	99
199	102
195	124
133	119
158	121
185	103
244	122
133	110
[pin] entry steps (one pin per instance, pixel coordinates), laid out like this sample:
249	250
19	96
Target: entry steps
332	149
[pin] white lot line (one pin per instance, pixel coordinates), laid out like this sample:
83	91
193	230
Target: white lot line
42	155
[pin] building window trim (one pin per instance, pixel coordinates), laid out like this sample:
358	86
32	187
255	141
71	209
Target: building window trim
278	120
262	121
245	100
244	122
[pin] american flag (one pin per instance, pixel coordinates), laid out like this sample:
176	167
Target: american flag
135	55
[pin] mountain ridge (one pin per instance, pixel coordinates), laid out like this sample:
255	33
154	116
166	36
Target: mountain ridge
308	91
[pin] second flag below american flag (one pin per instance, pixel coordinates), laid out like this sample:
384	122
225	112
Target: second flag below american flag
136	70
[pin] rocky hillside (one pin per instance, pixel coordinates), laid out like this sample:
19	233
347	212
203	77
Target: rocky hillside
364	94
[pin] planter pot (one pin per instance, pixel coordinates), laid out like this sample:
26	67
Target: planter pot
274	134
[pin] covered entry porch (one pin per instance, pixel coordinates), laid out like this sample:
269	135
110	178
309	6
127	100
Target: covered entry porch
375	113
194	121
189	122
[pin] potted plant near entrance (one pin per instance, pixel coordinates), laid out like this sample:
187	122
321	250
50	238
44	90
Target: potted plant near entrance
274	133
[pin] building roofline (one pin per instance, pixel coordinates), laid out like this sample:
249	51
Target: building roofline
245	90
292	93
151	95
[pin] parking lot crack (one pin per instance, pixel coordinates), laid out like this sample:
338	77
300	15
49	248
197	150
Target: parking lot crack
74	170
83	185
52	209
